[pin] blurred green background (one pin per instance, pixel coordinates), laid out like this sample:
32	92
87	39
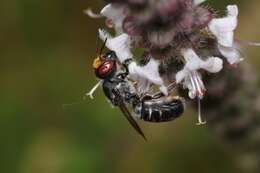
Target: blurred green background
46	52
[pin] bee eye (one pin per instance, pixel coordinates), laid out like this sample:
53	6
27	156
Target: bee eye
110	55
106	67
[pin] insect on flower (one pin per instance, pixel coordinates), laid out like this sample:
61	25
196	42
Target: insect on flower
122	93
183	31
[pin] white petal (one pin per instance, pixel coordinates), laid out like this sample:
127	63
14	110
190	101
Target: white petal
149	72
116	14
192	59
103	34
106	10
120	45
232	54
164	90
189	55
194	62
190	78
91	14
181	75
232	10
212	65
197	2
223	28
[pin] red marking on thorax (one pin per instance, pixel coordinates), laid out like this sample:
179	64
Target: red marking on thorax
106	67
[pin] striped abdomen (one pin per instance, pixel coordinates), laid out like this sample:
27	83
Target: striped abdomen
162	110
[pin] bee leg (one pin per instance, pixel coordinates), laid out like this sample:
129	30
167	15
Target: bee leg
91	92
200	122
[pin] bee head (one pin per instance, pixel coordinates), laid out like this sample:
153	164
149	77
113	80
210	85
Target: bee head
105	65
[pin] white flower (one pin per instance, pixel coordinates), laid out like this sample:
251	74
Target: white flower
193	63
223	28
189	76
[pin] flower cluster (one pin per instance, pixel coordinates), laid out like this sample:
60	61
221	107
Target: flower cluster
181	38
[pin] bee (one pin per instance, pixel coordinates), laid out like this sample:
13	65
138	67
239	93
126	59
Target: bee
121	92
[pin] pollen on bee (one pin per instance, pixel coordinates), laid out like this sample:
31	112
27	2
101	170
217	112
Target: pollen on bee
97	62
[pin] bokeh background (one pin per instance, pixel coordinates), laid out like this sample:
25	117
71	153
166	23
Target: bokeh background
46	53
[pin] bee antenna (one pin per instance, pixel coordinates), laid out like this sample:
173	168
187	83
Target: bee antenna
103	46
97	50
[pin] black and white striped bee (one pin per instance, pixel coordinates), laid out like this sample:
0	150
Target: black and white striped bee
122	93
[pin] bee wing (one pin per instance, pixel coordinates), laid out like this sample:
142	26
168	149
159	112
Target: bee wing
128	115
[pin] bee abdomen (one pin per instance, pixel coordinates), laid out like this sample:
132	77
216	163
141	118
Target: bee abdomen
162	110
